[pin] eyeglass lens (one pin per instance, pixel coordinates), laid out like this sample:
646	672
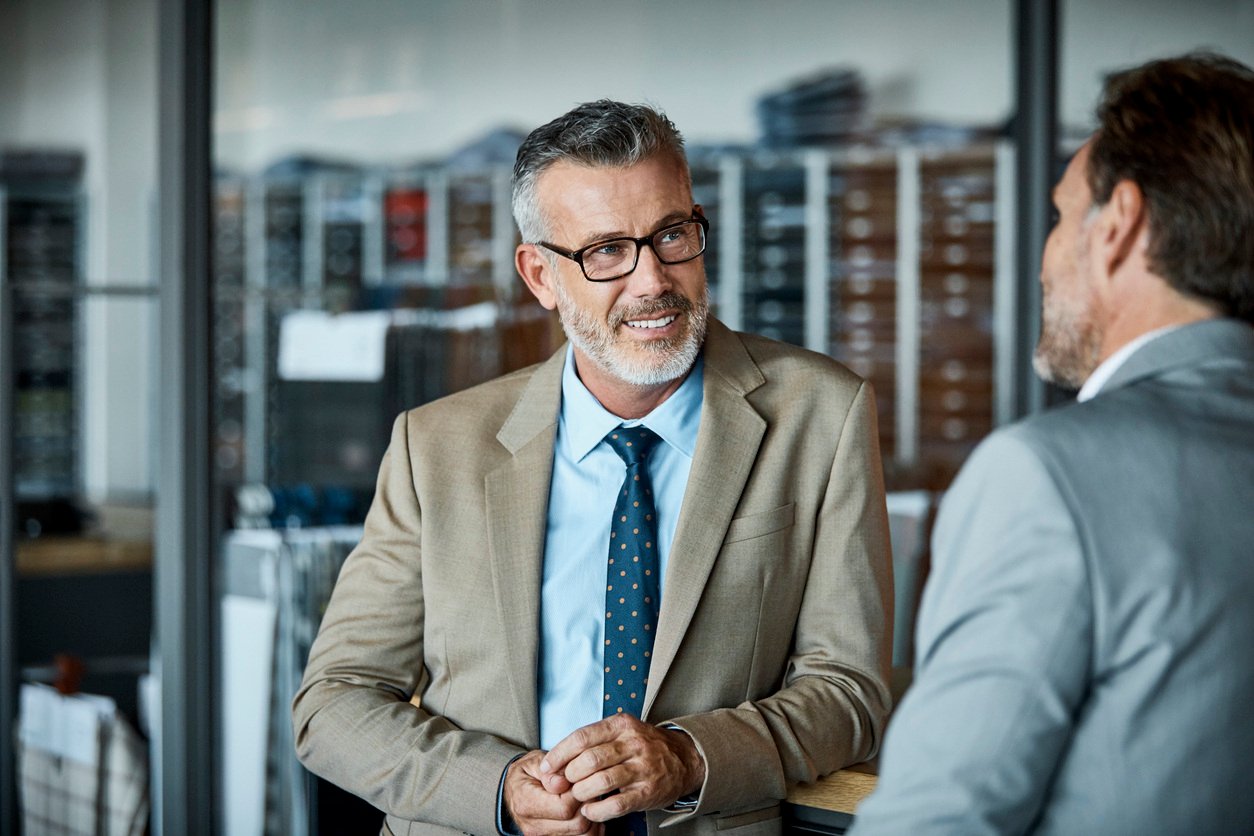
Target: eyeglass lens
617	257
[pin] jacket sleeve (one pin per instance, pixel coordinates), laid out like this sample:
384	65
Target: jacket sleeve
354	722
1004	646
834	699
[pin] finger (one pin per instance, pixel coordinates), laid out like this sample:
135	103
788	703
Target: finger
528	801
632	741
555	783
536	804
611	807
571	746
602	783
598	758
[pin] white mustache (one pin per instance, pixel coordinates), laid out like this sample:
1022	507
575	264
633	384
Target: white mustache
669	301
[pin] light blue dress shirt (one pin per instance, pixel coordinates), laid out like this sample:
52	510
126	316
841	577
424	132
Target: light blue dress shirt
587	475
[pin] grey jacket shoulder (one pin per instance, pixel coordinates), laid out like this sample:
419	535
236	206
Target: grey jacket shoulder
1196	380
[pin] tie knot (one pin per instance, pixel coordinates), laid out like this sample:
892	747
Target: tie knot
632	444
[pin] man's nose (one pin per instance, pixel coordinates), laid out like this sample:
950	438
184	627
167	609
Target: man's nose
650	277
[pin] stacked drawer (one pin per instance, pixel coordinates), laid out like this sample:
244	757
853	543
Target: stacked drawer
862	212
405	207
344	210
957	266
470	212
706	191
775	246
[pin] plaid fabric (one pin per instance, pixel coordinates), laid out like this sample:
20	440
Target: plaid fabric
58	795
124	784
92	784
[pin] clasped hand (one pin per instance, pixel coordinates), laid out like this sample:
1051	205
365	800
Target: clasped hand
599	772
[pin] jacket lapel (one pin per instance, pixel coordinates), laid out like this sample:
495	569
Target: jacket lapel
727	445
517	493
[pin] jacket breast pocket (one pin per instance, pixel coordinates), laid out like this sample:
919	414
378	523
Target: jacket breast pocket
760	524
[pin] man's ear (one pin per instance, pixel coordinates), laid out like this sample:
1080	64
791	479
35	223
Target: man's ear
1123	227
537	272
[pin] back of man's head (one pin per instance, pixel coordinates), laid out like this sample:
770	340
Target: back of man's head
1182	129
600	133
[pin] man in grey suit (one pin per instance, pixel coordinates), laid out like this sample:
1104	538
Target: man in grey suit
1084	643
495	655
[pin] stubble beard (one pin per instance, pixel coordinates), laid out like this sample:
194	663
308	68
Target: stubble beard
1069	349
650	363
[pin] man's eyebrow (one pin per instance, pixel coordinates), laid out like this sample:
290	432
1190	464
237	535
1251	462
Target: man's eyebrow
667	220
596	237
674	218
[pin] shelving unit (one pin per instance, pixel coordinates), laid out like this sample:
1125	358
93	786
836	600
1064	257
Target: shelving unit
893	260
41	245
434	247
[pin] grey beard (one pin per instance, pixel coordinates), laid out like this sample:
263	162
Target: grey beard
667	361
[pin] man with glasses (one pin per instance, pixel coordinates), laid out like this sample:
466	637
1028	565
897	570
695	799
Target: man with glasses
1084	640
646	581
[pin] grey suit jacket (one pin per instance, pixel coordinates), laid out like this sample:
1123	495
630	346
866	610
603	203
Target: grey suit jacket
775	631
1085	639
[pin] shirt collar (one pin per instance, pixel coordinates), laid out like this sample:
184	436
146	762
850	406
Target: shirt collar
585	422
1111	364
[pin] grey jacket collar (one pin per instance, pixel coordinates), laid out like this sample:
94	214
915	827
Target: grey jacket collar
1212	341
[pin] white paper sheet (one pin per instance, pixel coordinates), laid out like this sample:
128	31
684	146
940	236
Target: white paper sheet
68	727
315	345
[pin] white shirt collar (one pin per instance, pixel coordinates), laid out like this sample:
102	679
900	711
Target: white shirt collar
1111	364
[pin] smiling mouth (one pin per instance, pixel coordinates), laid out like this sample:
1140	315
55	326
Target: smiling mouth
644	324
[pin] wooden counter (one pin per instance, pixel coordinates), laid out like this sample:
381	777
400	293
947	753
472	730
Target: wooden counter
62	555
827	806
840	792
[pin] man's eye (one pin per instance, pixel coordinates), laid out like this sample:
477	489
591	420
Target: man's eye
1054	217
609	248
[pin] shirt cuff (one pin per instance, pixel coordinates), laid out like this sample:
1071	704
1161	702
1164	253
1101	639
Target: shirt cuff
688	802
505	825
683	805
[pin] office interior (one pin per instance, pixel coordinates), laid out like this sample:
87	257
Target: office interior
238	237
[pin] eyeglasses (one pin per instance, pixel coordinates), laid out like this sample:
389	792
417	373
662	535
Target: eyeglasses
616	257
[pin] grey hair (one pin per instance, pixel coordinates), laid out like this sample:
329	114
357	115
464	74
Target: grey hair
594	134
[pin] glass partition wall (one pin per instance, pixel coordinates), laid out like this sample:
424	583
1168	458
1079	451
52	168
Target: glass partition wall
77	250
856	162
858	179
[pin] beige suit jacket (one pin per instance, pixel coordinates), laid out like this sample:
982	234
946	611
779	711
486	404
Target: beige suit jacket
774	637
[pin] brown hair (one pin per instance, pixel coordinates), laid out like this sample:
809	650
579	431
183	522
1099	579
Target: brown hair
1182	129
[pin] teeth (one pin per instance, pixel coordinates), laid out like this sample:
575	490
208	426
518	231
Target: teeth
652	323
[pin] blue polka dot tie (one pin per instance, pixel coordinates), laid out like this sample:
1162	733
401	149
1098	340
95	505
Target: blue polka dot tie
632	587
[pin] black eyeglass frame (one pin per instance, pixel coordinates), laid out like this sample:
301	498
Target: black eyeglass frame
646	241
